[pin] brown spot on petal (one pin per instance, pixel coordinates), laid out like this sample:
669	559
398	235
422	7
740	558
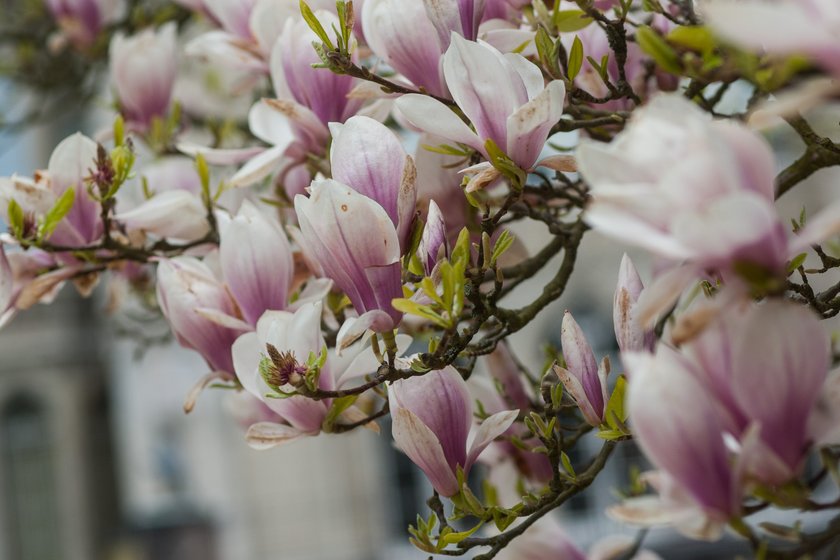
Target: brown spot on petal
344	208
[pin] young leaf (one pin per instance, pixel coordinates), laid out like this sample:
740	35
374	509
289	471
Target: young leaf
57	213
654	45
575	58
570	21
16	218
315	25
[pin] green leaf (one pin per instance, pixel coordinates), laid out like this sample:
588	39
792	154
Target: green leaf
315	25
446	150
696	37
503	243
575	58
546	50
119	131
204	176
16	218
567	464
657	48
57	213
652	6
570	21
455	538
615	406
796	262
339	405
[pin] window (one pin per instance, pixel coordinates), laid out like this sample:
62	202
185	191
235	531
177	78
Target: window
27	459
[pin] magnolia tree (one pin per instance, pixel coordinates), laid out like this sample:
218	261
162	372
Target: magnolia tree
256	187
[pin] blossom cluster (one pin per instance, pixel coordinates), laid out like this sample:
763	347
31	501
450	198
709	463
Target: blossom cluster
338	247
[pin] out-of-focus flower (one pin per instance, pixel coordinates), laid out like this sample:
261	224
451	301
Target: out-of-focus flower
629	333
143	68
82	20
509	389
680	427
695	191
355	242
683	186
503	96
683	405
810	27
432	415
504	9
71	164
6	289
585	381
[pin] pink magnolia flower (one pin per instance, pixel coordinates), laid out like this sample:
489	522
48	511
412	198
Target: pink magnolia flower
412	36
679	425
355	242
509	389
368	157
629	333
810	27
71	163
174	211
693	190
585	381
503	96
433	243
82	20
256	262
432	415
295	336
504	9
143	69
200	310
683	405
6	289
249	30
308	99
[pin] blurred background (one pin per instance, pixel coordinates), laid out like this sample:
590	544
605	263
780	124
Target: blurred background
99	461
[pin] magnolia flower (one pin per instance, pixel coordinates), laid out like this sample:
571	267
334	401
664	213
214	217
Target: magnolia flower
294	336
6	289
432	415
71	163
174	211
256	262
143	69
503	96
785	27
629	333
685	405
308	99
508	390
199	309
368	157
249	30
433	244
82	20
355	242
547	540
402	34
695	191
585	381
680	427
